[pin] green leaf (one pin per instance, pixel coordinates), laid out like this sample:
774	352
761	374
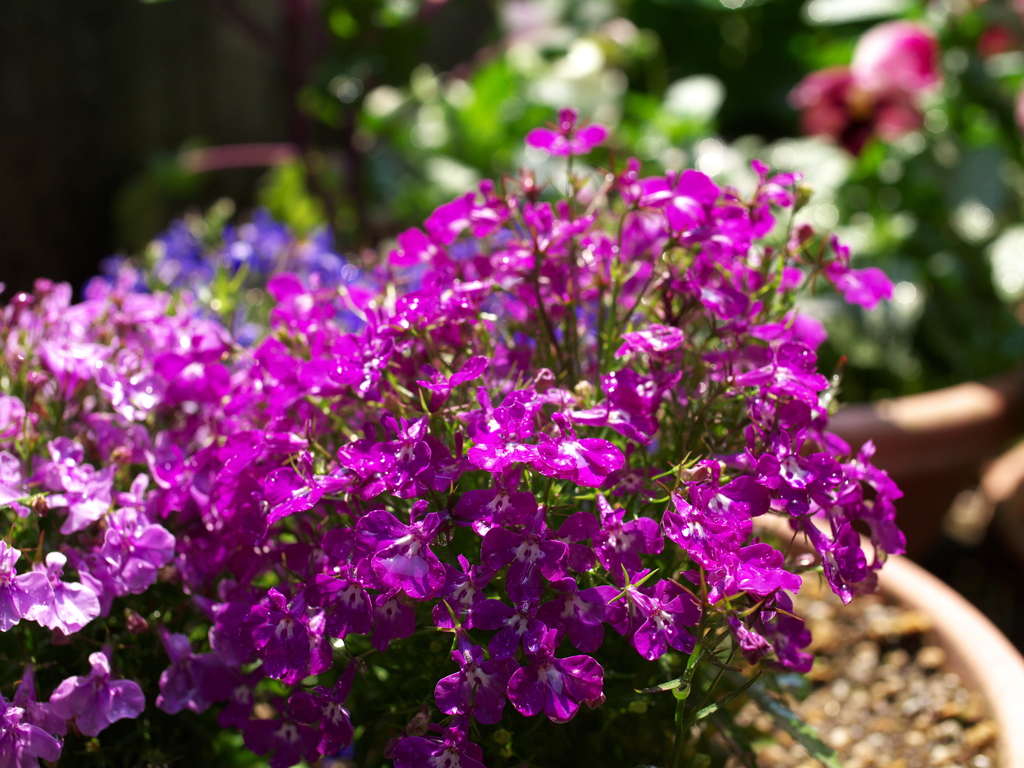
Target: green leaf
710	709
791	723
670	685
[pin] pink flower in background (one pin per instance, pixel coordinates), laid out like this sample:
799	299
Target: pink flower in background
897	55
878	94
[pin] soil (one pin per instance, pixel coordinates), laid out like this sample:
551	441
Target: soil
884	693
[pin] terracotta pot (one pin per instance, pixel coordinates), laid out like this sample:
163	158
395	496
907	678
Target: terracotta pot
935	444
1002	488
979	652
985	660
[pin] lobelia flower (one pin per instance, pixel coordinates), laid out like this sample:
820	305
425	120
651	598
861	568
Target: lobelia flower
580	613
567	139
463	591
531	554
619	544
401	555
135	549
87	493
326	709
285	739
183	685
392	620
516	626
36	712
73	605
97	701
289	639
585	461
478	688
451	750
21	595
23	744
553	686
666	611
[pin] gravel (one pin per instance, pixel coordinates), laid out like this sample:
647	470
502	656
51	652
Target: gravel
883	693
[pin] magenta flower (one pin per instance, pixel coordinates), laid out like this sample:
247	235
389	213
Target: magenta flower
619	544
580	613
568	138
586	461
36	712
21	596
23	744
97	701
452	750
135	549
73	606
290	640
530	554
286	741
401	556
478	688
184	685
326	710
392	620
553	686
516	626
667	612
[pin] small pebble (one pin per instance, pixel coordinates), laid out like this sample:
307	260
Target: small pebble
981	735
915	739
838	738
941	754
931	657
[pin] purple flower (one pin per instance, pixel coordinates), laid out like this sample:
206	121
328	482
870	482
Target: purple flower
567	139
392	620
285	740
36	712
97	701
73	606
667	612
182	684
452	750
463	590
87	492
586	461
346	604
326	709
533	554
21	596
401	556
501	441
580	613
553	686
619	544
22	744
517	626
440	386
478	688
290	640
135	549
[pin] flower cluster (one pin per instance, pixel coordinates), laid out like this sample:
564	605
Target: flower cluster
548	421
